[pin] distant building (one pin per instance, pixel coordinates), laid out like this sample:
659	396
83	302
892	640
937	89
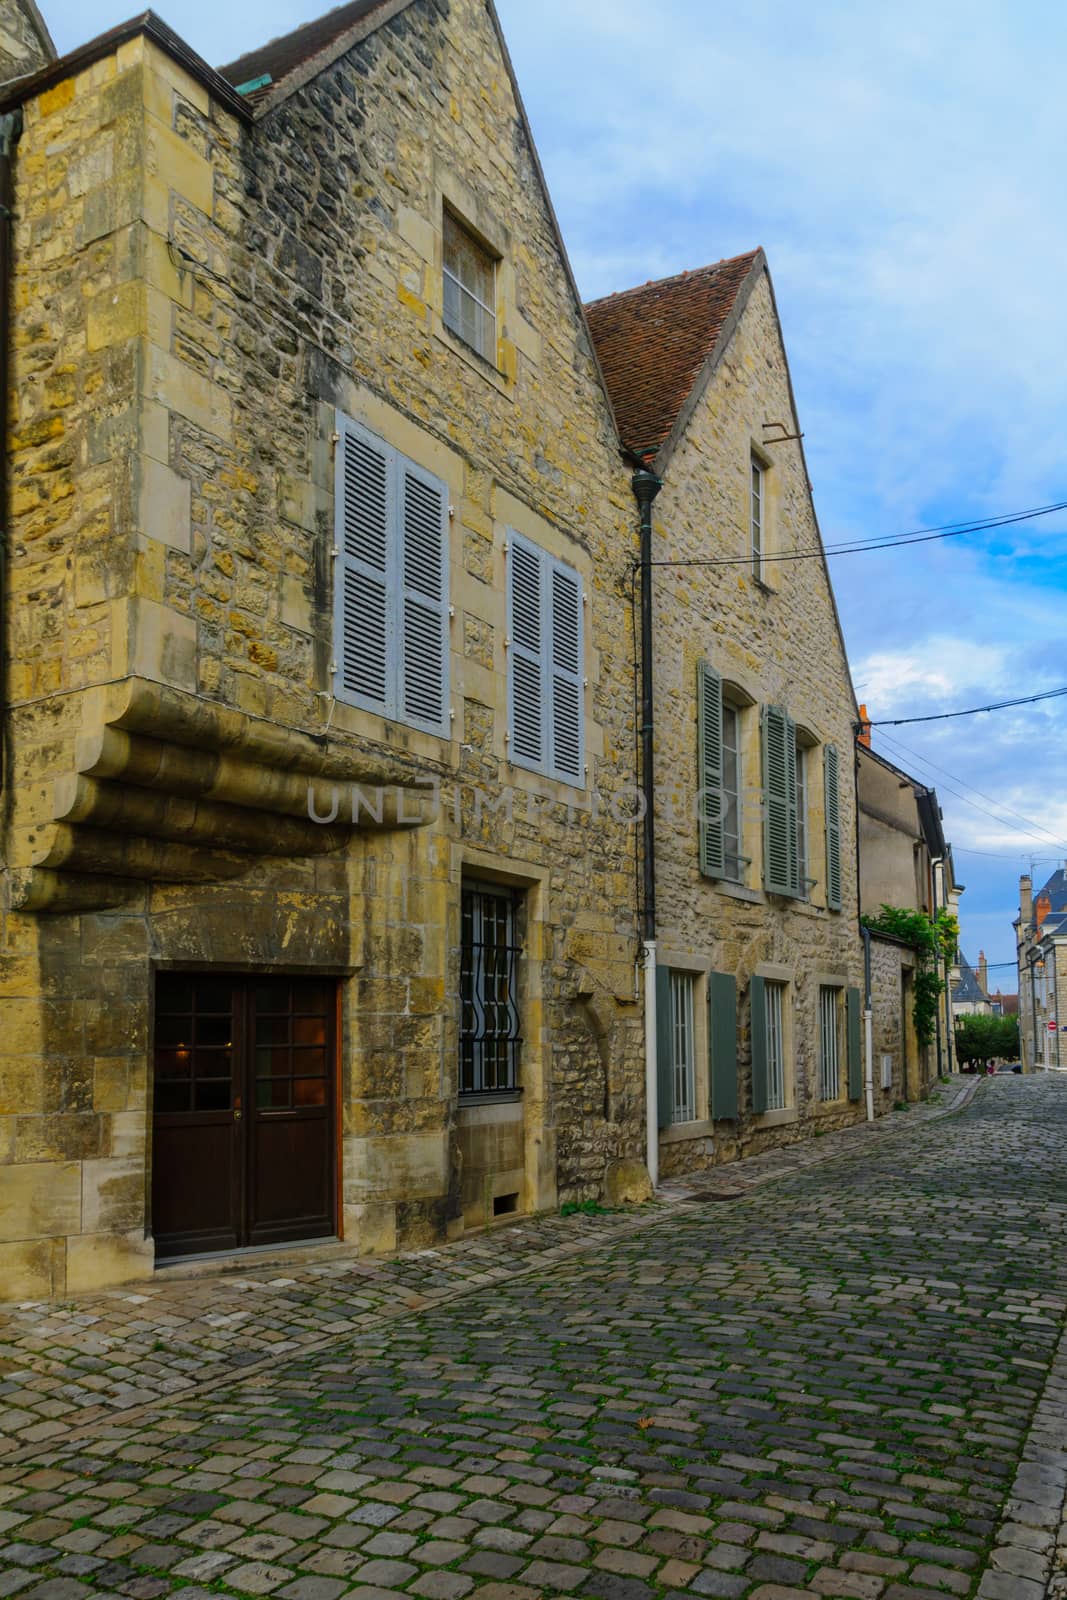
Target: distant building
1041	943
970	996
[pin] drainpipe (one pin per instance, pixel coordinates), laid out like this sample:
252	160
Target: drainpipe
868	1024
646	486
10	129
938	964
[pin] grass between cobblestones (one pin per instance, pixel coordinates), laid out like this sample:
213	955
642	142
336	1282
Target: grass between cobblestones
822	1388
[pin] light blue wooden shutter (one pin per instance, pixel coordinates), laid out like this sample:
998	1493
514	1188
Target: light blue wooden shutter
757	1005
781	870
564	608
527	712
722	1043
664	1049
855	1053
709	771
832	786
423	598
364	519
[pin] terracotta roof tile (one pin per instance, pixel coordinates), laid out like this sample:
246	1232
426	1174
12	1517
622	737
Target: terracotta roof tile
653	341
279	57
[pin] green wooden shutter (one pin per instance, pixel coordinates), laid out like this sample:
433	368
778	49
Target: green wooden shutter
664	1049
855	1052
832	785
781	868
709	771
722	1043
757	1001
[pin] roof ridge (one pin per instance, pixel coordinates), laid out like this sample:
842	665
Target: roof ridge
677	277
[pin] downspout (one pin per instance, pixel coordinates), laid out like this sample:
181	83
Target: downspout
938	964
868	1023
10	129
646	486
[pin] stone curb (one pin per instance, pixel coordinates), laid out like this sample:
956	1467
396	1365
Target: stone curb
882	1130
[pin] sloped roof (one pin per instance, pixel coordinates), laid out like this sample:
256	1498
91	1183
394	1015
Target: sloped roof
1056	889
966	986
280	57
653	342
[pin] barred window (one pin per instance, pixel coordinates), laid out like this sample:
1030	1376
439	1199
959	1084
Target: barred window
490	1037
829	1043
683	1047
775	1047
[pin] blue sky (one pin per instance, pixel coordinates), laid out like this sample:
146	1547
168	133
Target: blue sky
902	167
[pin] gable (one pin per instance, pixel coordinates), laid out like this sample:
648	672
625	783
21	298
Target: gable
654	342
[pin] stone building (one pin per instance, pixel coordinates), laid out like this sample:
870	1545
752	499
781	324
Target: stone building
1041	942
317	654
760	964
906	863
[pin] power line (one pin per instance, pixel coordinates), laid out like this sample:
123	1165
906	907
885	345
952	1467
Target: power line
972	711
949	530
992	855
1029	821
973	803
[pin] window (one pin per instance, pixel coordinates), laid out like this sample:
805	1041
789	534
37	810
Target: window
756	518
829	1043
719	779
489	1026
774	994
390	582
546	721
683	1047
469	289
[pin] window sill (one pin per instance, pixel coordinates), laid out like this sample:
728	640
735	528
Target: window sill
679	1132
736	891
490	1097
474	359
763	586
777	1119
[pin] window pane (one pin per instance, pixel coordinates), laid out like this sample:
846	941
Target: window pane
469	300
490	1034
683	1046
775	1047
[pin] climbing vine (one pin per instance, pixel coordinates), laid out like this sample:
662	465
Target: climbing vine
934	940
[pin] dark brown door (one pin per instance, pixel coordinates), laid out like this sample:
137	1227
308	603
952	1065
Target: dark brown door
243	1127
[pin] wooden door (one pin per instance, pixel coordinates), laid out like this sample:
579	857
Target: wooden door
243	1124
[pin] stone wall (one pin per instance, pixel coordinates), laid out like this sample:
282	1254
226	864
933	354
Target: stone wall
194	299
24	42
776	642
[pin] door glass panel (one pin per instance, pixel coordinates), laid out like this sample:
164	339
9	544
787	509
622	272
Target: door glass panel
272	1030
272	1094
309	1091
213	1030
173	1064
309	1063
272	997
173	993
214	994
309	1030
213	1094
171	1098
172	1031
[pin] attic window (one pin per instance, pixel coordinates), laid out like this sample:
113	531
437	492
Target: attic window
469	289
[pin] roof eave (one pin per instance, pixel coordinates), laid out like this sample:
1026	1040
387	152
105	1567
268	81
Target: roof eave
151	27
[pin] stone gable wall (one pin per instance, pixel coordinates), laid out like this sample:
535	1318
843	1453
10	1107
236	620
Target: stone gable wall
193	301
778	644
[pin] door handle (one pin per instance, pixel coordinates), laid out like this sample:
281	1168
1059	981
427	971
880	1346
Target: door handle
237	1110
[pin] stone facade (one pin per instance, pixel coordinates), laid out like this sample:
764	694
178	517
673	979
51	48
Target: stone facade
773	642
25	43
195	301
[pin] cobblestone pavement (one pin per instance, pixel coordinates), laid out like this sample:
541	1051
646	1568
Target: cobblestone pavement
847	1381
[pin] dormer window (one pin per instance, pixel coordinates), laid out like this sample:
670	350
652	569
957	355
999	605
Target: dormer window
469	289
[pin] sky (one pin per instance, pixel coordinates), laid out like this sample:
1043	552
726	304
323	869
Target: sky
902	168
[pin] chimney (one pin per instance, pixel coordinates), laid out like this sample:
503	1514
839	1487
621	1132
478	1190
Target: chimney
1042	907
1026	900
983	972
864	735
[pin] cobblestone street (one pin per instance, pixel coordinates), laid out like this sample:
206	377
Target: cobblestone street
844	1381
